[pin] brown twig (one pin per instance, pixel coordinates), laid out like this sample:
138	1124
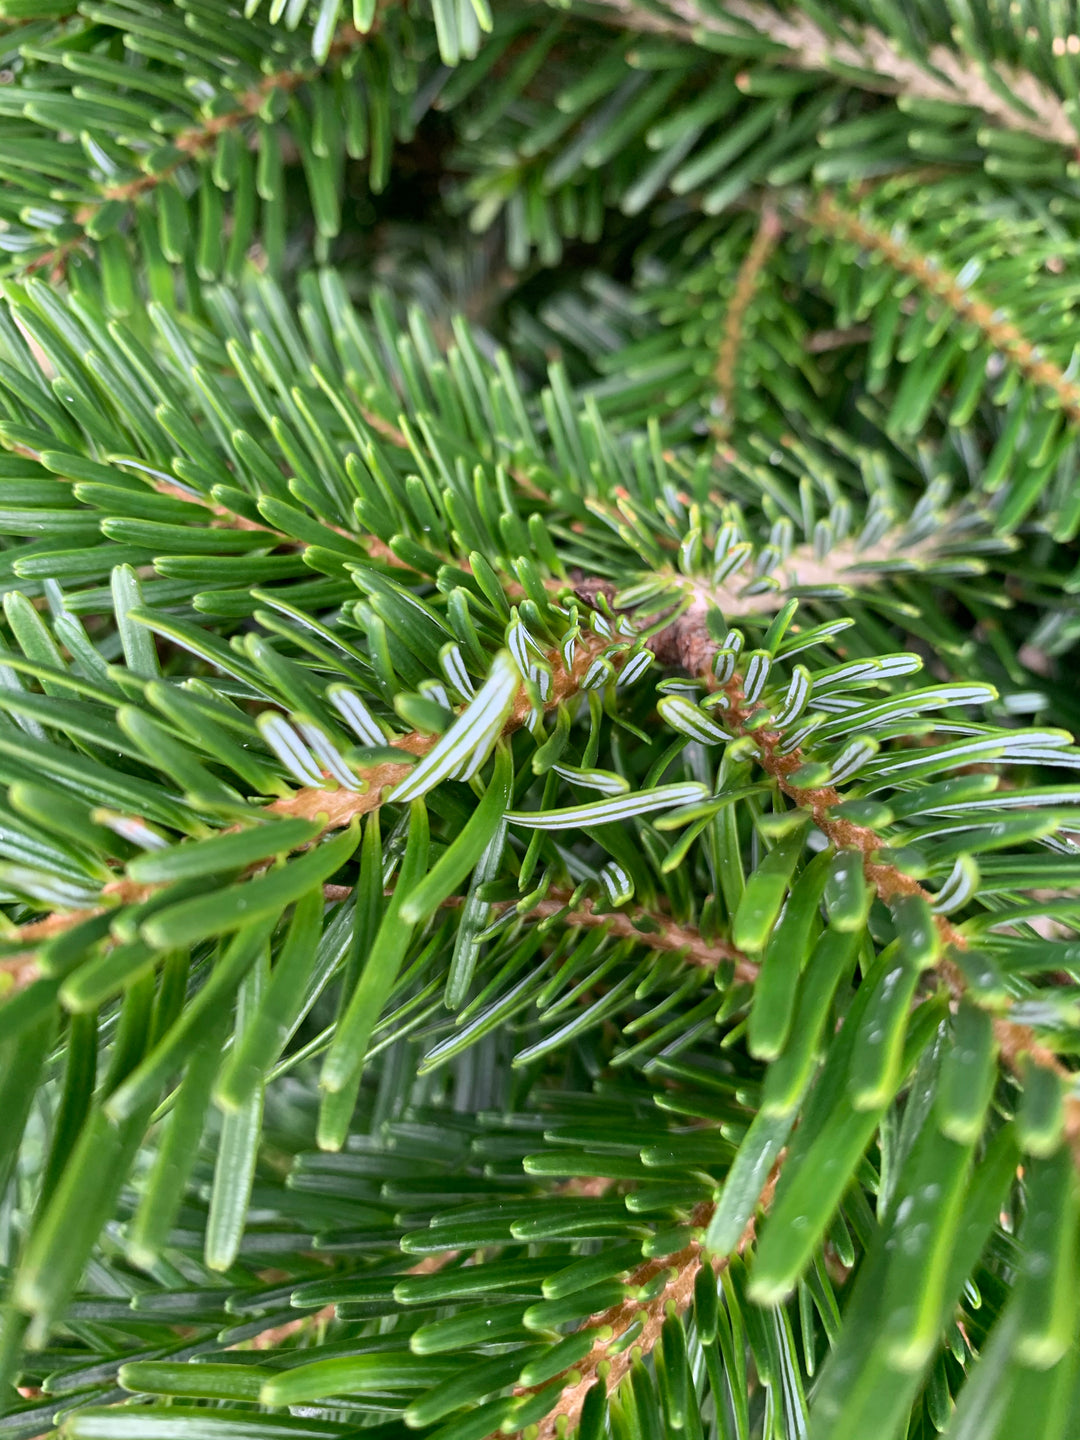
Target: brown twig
768	233
821	341
271	1338
663	933
651	929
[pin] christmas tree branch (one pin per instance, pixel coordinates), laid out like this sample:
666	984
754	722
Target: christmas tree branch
600	1366
1015	1041
685	644
334	809
196	141
1006	337
225	518
1013	99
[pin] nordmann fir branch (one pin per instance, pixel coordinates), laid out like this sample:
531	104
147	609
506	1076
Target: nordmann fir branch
801	568
600	1366
334	809
197	140
225	518
826	214
663	933
653	930
683	644
676	644
880	64
688	645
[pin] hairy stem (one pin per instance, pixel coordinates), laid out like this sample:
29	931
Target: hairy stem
768	233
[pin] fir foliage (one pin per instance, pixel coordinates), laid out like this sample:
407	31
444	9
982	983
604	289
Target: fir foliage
538	862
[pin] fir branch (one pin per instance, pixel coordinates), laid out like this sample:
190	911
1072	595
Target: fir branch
600	1367
1003	334
334	809
196	141
879	62
225	518
1015	1041
650	928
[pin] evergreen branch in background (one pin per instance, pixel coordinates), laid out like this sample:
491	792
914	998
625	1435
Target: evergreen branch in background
1002	335
863	54
191	106
194	143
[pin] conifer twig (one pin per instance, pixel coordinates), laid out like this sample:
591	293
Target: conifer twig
197	140
600	1366
270	1339
662	932
768	233
334	808
684	643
